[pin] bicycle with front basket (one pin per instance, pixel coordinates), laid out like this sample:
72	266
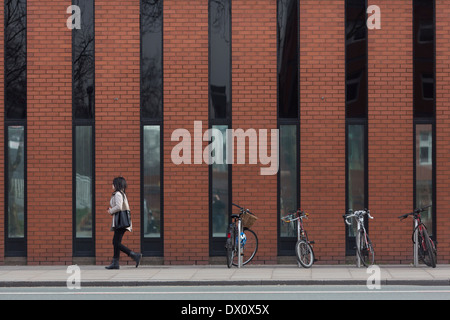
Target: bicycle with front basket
364	246
303	248
242	242
426	249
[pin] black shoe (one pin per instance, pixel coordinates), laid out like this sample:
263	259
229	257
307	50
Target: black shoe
114	264
136	257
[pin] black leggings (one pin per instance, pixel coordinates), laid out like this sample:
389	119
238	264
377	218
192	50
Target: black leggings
117	243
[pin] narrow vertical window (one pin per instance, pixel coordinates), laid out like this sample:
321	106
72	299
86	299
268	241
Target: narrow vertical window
219	118
83	107
288	185
151	65
151	59
219	188
84	175
356	169
152	181
15	97
288	59
288	119
424	110
356	102
424	177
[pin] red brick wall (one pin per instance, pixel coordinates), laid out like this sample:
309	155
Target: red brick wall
49	134
391	131
254	105
254	93
186	218
443	130
117	117
322	126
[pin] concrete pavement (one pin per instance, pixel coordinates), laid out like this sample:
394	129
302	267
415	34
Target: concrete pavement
151	275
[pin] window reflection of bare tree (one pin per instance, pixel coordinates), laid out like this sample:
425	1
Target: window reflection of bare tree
220	19
220	50
15	59
83	63
15	109
151	69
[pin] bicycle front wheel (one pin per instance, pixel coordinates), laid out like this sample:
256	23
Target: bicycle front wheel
249	246
304	252
365	251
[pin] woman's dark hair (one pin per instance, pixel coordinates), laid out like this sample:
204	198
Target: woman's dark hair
120	184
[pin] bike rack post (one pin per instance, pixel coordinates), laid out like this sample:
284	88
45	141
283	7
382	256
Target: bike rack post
239	244
358	234
416	243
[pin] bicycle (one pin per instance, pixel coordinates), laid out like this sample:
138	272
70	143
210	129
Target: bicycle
242	242
303	248
426	249
364	246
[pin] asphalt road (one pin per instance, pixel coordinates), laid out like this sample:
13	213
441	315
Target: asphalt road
238	294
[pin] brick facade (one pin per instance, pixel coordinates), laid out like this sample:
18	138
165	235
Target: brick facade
322	126
390	119
49	135
254	105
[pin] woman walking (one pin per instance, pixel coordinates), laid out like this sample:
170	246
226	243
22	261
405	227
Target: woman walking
119	202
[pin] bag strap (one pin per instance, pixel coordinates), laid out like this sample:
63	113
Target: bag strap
123	197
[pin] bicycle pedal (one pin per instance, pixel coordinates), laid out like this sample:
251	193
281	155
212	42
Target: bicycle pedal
312	242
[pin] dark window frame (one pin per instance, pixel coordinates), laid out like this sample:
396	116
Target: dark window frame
216	244
152	246
432	123
83	247
420	117
354	115
286	245
350	241
14	247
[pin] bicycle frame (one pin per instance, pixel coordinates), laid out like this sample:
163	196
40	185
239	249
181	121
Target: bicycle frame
301	232
360	228
419	230
241	237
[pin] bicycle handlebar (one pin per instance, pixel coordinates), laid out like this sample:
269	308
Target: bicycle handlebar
414	213
357	214
242	209
290	217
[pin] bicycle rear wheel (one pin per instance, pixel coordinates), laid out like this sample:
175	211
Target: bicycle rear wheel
430	255
305	254
249	244
365	250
